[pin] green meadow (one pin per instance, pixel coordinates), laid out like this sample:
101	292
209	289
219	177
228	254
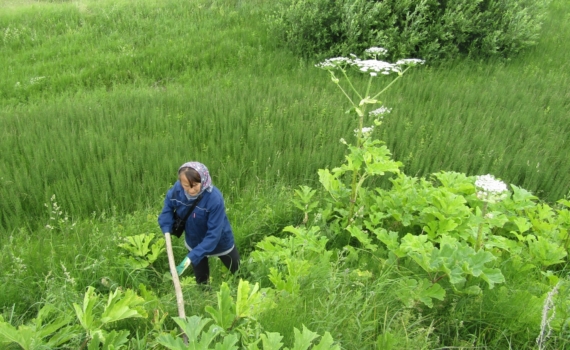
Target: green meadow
101	101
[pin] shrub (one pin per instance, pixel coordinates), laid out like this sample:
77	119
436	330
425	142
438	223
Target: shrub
429	29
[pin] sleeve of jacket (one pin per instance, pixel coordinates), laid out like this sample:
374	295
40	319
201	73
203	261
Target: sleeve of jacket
213	234
166	217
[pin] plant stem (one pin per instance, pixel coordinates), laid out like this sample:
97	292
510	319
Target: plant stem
356	172
479	243
349	83
345	94
392	82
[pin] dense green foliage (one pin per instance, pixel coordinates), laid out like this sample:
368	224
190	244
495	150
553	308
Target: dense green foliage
387	244
428	29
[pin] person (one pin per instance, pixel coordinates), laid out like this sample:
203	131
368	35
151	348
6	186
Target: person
208	232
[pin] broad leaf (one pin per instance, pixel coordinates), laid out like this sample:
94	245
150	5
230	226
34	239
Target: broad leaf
271	341
120	307
85	312
303	340
228	343
326	343
225	315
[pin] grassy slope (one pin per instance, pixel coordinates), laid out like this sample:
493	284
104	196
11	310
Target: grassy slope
76	75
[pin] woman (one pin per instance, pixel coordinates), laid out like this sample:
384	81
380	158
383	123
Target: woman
208	230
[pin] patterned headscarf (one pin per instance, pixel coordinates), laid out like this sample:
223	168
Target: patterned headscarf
206	180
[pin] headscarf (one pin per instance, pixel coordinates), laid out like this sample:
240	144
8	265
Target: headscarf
205	178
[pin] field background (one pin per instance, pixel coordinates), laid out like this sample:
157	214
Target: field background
101	101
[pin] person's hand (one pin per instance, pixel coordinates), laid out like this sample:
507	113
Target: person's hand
183	266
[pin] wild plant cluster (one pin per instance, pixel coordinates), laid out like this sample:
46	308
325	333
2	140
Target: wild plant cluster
431	29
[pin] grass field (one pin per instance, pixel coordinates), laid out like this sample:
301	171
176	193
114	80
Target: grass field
104	101
101	101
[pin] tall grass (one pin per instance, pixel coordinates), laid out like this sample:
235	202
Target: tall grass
102	101
218	95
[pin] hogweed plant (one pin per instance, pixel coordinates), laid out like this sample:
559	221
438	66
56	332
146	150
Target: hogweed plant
489	190
366	152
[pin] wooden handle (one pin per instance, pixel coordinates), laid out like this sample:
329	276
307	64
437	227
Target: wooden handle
175	280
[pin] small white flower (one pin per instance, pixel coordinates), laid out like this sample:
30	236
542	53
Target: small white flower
365	130
35	80
380	111
409	62
376	51
343	141
332	63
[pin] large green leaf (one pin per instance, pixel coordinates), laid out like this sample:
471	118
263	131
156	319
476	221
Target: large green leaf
303	339
85	312
271	341
326	343
228	343
22	336
49	329
363	237
250	302
546	252
109	341
192	326
418	248
122	306
225	314
492	276
391	240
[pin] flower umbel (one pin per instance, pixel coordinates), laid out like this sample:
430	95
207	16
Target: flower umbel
410	62
333	63
371	66
380	112
490	189
376	52
365	131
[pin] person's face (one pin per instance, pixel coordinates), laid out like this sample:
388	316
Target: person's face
189	189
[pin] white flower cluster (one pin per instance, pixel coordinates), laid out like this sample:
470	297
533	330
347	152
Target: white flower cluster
490	189
380	112
36	80
365	131
371	66
375	66
376	51
409	62
332	63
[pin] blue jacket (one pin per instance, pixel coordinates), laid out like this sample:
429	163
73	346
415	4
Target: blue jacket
208	229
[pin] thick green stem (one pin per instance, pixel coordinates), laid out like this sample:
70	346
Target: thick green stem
345	94
479	243
351	86
355	173
392	82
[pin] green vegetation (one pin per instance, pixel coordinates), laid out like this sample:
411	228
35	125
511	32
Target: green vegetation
430	29
101	101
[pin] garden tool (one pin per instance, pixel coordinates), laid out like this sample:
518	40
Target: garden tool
175	280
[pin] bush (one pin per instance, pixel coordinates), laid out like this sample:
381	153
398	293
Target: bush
428	29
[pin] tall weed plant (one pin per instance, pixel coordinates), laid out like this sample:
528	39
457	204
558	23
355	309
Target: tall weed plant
430	29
